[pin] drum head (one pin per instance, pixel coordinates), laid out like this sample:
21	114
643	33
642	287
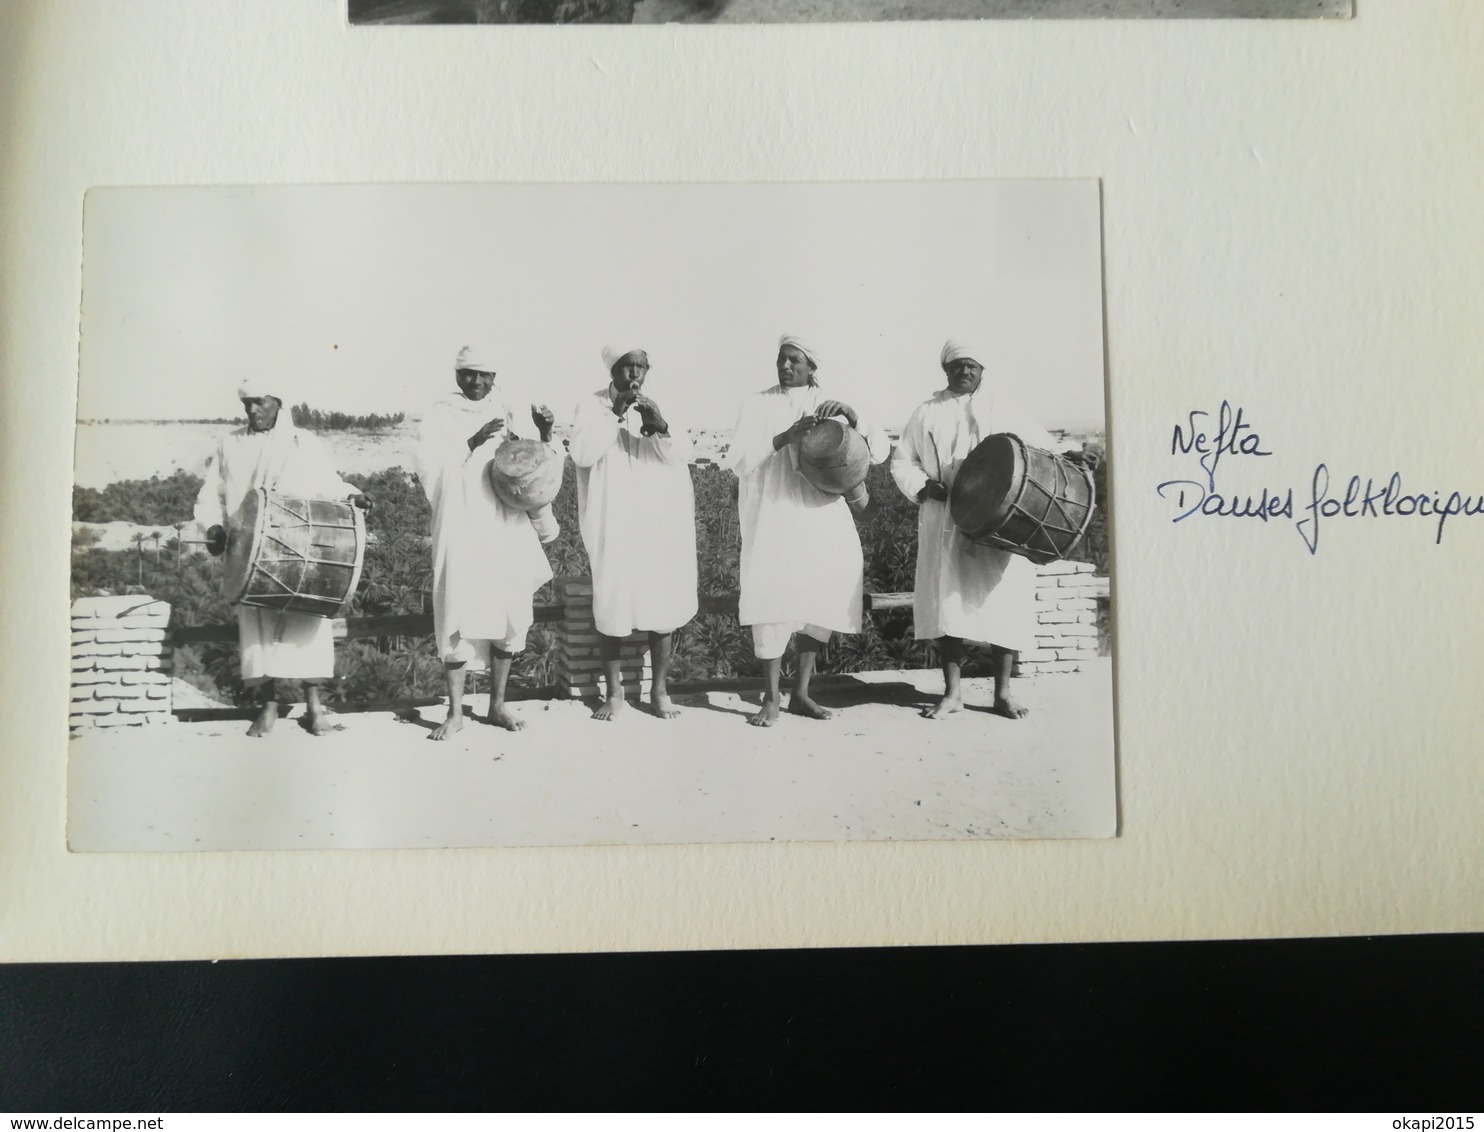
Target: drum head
516	459
834	457
305	554
985	485
244	536
824	443
524	474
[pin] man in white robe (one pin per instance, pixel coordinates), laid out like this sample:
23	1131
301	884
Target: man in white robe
270	452
637	513
801	553
963	591
487	558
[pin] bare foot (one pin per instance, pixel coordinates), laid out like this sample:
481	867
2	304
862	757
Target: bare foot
1008	706
661	706
609	708
449	727
265	721
317	723
767	715
946	706
803	705
501	717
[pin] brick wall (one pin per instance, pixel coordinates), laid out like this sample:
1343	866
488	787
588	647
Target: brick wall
120	662
1067	596
579	667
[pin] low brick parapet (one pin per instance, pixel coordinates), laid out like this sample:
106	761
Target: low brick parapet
1067	598
579	662
120	662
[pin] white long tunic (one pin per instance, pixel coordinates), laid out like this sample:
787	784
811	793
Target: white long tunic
962	589
288	646
637	513
487	559
801	554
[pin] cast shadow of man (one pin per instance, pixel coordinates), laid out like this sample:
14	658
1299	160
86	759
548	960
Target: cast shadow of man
833	692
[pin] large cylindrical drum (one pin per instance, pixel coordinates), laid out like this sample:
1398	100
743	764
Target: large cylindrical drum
1026	500
294	554
525	474
835	458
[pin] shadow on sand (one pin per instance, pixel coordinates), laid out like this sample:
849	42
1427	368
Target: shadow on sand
702	701
850	692
834	692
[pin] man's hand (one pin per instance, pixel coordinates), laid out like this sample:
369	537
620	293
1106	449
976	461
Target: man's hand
544	420
487	431
1086	459
794	431
933	489
216	540
624	401
649	413
837	409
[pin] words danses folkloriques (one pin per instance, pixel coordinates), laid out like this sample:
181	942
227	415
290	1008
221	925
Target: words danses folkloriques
1329	497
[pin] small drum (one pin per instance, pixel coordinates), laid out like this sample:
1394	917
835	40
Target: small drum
835	458
293	554
1022	499
527	475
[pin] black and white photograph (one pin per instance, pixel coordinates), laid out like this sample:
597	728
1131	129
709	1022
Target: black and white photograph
391	12
432	516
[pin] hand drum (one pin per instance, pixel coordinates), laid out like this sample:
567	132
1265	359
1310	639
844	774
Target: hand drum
834	458
525	474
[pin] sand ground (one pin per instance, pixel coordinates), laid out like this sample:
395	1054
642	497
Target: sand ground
876	771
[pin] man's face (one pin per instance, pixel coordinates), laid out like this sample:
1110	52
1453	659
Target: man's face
794	369
964	375
475	384
262	412
630	371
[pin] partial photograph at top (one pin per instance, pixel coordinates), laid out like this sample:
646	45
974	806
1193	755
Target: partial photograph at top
393	12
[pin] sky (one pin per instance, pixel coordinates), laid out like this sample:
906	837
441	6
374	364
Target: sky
358	298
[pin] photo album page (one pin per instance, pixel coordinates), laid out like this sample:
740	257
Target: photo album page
582	475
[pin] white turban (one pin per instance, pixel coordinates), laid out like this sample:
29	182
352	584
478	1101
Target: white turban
254	386
956	349
612	355
802	345
476	357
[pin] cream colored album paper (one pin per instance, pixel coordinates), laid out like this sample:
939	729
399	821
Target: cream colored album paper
1292	264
